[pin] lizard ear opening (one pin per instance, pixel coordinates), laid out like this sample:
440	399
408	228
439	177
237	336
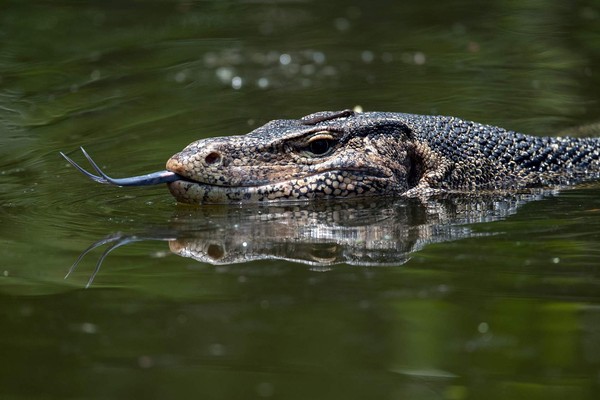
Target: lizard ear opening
426	168
415	168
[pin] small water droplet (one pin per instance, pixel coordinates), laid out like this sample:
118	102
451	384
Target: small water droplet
419	58
263	83
318	57
285	59
224	74
181	76
236	82
483	327
88	327
145	361
367	56
341	24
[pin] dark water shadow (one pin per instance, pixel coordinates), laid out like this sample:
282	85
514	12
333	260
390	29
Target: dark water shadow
381	232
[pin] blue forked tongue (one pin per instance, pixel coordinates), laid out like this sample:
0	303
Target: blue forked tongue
154	178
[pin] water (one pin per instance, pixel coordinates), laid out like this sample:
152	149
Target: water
452	299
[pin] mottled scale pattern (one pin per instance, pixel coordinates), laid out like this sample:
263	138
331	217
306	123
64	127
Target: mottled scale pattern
485	156
346	154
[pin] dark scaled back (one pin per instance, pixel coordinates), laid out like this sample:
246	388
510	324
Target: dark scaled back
506	158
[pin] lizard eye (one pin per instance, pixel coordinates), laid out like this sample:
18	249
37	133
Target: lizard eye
320	147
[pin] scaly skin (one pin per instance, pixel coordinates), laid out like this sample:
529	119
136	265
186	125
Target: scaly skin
346	154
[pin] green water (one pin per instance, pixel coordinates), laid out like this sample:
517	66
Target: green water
454	299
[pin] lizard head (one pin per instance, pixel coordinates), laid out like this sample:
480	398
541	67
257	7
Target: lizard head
323	155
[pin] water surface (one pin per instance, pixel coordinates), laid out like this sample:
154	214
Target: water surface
456	298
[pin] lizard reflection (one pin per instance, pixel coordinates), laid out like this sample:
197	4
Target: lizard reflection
362	233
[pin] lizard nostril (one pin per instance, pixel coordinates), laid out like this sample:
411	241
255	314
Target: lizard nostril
212	158
215	251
